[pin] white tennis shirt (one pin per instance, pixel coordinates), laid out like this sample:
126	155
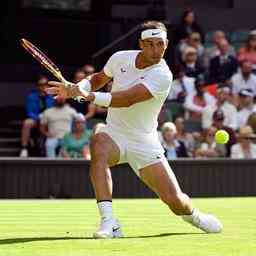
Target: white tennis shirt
140	118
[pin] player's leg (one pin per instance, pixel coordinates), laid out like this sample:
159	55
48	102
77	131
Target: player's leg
104	153
163	182
161	179
27	125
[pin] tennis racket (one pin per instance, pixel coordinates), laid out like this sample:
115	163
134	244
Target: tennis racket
44	60
48	64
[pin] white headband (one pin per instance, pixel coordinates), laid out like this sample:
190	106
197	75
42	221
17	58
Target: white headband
158	33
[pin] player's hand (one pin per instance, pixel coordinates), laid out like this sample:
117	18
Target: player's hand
65	90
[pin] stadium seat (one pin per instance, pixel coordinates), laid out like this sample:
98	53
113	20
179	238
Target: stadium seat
239	36
209	37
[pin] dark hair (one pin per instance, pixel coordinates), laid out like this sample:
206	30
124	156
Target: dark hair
153	24
247	42
185	14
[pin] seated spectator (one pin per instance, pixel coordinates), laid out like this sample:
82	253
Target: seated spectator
214	51
173	147
191	65
252	121
246	106
218	122
36	102
196	103
87	108
244	149
55	123
79	75
248	52
88	69
244	79
229	110
194	41
76	143
222	66
181	87
187	26
208	147
185	137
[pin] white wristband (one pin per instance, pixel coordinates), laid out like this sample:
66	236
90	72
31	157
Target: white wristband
102	99
84	85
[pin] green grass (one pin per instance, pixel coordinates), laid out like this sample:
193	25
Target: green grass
64	228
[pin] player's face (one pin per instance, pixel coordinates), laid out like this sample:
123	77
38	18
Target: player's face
153	49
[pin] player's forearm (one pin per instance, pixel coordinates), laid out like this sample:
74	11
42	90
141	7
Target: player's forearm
96	81
114	100
120	99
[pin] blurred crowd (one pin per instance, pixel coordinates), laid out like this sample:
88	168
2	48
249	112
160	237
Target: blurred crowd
214	88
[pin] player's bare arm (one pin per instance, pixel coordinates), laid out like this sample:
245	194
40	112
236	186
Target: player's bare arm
98	80
92	83
125	98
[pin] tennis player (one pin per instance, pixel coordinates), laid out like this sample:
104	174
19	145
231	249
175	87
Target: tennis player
141	83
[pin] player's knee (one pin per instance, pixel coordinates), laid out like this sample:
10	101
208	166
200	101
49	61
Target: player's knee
97	147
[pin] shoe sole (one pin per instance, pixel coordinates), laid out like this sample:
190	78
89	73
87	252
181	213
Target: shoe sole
102	236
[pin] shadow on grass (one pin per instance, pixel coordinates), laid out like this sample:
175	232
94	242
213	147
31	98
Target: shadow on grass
163	235
35	239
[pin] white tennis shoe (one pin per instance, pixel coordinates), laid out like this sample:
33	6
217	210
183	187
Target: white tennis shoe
110	228
206	222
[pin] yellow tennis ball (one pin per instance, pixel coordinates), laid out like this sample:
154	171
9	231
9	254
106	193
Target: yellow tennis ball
221	137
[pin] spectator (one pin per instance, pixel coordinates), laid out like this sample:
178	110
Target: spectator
214	51
244	79
88	69
187	26
36	102
244	149
173	147
76	143
246	106
191	65
55	123
78	76
181	86
87	108
218	123
248	52
196	103
229	110
194	41
208	147
185	137
224	65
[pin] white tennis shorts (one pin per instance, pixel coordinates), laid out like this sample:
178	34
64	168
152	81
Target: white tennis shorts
137	151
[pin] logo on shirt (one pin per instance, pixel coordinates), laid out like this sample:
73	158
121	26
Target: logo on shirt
122	70
142	77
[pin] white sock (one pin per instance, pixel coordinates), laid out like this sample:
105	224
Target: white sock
105	209
195	213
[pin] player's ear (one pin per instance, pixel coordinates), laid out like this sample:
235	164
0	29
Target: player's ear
167	43
140	44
